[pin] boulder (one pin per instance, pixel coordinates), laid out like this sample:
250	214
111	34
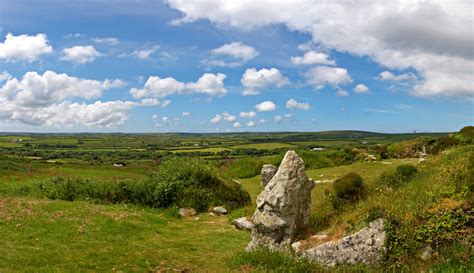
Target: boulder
283	207
219	210
187	212
365	246
242	223
267	173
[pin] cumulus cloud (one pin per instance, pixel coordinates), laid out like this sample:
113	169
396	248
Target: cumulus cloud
228	117
250	124
266	106
237	125
80	54
46	100
255	80
185	114
250	114
389	76
312	57
361	89
342	93
145	53
24	47
50	87
434	37
277	118
106	40
210	84
320	76
165	103
216	119
150	102
237	52
293	104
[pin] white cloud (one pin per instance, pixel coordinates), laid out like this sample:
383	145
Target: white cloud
150	102
80	54
261	121
5	76
312	57
237	51
159	87
254	81
432	37
210	84
266	106
106	40
42	90
389	76
250	114
250	124
237	125
342	93
216	119
165	121
185	114
24	47
165	103
228	117
320	76
145	54
277	118
293	104
361	89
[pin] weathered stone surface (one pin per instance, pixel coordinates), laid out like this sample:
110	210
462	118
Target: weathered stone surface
219	210
426	253
267	173
365	246
283	207
242	223
186	212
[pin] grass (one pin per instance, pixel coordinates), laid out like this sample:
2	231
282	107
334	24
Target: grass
43	236
264	146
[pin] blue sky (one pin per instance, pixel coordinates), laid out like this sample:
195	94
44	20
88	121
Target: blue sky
155	66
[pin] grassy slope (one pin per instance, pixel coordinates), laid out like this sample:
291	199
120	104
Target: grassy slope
43	235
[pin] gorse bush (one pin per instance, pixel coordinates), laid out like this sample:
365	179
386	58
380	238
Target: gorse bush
348	189
183	183
401	175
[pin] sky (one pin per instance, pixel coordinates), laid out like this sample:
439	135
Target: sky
236	66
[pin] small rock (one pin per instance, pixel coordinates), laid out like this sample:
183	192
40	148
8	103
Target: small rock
219	210
212	214
186	212
426	253
242	223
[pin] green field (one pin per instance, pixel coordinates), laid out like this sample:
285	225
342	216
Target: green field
43	235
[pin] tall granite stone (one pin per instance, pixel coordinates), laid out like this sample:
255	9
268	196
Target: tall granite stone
283	207
267	173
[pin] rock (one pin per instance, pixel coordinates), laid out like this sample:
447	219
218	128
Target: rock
242	223
365	246
219	210
187	212
283	207
426	253
267	173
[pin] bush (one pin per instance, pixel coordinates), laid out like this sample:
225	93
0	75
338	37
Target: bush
401	175
182	183
348	189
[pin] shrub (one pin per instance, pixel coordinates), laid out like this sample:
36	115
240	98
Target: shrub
402	174
348	189
183	183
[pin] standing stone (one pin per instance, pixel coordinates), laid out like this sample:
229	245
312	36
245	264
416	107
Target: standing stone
267	173
283	207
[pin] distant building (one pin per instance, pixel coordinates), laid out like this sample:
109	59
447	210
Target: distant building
318	149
